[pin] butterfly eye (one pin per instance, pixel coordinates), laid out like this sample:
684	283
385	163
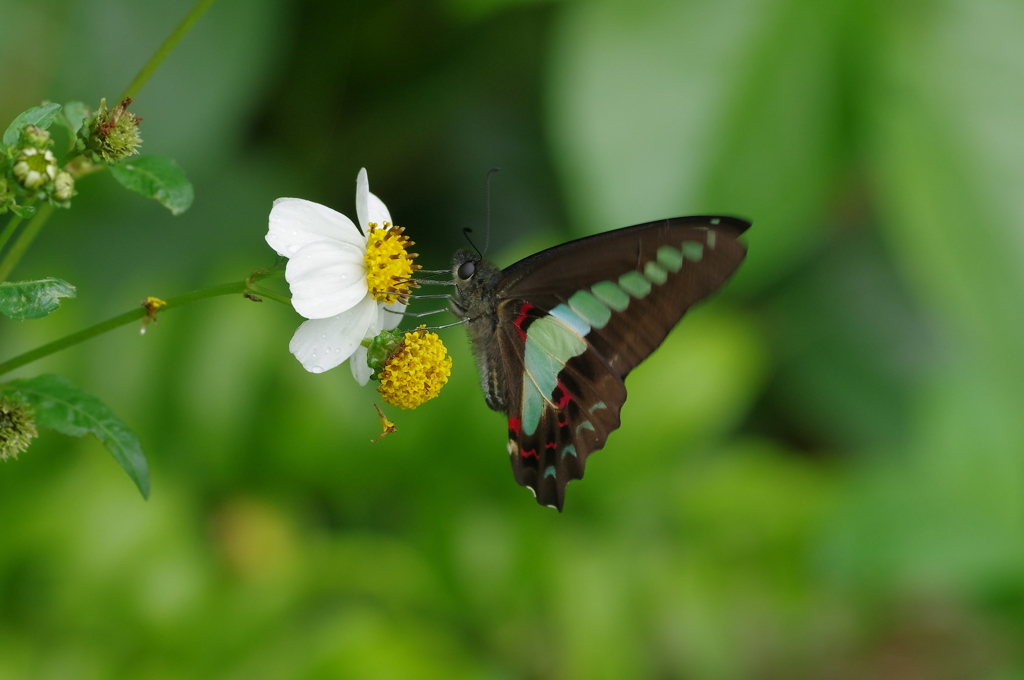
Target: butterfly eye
466	270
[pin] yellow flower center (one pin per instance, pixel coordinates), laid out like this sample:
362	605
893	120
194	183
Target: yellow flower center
153	304
389	267
417	370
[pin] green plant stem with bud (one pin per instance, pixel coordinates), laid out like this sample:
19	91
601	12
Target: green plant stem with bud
166	48
247	287
32	184
24	240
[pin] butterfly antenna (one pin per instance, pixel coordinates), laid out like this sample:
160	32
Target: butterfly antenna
490	172
467	231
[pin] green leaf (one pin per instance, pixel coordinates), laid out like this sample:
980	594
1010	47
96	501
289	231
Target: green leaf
61	406
72	117
22	300
156	177
40	116
23	211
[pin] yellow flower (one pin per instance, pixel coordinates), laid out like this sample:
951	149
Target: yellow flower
416	371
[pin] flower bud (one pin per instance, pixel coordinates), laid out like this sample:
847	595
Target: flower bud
111	135
63	187
17	428
35	168
36	137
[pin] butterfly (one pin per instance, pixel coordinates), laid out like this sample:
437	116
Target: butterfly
556	333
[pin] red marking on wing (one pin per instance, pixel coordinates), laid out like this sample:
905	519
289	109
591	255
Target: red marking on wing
530	452
566	397
551	445
514	425
522	317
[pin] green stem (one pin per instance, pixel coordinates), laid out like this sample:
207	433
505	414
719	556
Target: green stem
264	292
166	48
66	159
9	229
236	288
24	240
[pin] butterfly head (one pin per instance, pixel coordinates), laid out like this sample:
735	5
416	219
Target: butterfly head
475	282
464	266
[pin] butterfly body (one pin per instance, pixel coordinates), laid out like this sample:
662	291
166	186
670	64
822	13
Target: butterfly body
556	333
477	302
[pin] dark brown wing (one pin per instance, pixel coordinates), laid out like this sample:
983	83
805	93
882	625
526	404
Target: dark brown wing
598	307
575	419
552	276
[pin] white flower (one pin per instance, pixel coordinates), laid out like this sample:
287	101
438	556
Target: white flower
327	271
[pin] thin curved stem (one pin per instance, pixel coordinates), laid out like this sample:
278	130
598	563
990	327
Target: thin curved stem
166	48
263	292
236	288
24	240
9	229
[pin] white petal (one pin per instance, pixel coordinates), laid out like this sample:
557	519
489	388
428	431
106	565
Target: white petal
322	344
326	278
369	208
360	370
295	222
378	212
388	318
362	197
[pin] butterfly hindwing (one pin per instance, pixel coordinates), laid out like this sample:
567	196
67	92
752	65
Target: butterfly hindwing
564	406
556	333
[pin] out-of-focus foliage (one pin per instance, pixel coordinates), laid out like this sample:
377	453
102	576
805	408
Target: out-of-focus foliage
819	475
33	299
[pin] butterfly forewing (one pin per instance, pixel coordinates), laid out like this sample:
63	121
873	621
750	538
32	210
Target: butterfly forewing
569	323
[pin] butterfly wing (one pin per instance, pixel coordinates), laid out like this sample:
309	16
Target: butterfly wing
554	427
574	320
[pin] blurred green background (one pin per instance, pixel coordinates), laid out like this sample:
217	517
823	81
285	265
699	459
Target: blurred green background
819	475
